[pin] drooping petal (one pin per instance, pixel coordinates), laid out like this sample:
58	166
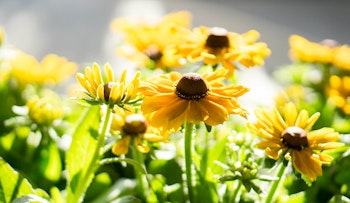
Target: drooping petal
122	146
307	164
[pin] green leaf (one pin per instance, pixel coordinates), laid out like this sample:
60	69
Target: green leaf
80	155
29	199
132	162
51	162
116	193
12	185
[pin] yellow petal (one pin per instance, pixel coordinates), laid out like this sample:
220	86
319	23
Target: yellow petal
122	146
307	164
290	114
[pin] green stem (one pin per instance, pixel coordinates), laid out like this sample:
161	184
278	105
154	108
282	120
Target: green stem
188	159
275	184
84	184
235	193
140	178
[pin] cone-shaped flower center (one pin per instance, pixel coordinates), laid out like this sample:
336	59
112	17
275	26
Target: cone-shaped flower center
329	43
107	88
217	38
295	137
135	124
153	52
191	87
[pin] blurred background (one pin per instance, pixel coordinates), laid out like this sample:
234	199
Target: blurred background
79	29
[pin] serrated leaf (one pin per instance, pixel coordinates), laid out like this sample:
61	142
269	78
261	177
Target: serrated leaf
12	185
81	152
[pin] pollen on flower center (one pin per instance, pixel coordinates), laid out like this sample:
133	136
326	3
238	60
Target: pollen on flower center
107	88
295	137
191	87
135	124
153	52
217	38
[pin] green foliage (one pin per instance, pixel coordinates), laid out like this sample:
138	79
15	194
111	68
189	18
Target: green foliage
80	156
14	188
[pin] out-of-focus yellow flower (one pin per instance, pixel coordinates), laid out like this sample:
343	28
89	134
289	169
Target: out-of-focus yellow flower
341	57
110	92
216	46
293	93
287	133
133	128
339	92
303	50
145	42
2	36
173	98
44	111
50	71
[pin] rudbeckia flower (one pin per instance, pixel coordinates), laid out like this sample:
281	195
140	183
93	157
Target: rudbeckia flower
133	128
341	57
173	98
110	92
145	42
216	46
44	111
304	50
288	133
339	92
50	71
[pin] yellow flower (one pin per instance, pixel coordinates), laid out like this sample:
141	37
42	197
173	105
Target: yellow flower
2	36
339	92
341	57
145	42
50	71
287	133
133	128
173	98
44	111
304	50
216	45
111	92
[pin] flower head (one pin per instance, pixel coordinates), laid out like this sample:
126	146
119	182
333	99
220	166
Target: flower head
44	111
287	133
134	128
173	98
339	92
50	71
145	42
109	92
341	57
216	45
303	50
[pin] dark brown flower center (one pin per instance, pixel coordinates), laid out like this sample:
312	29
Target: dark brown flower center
135	124
153	52
107	88
191	87
217	38
295	138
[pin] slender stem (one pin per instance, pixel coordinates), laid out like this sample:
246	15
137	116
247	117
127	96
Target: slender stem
275	184
96	156
188	159
235	193
140	178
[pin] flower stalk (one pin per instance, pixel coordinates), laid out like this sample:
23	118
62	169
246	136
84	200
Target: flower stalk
274	186
139	176
188	159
